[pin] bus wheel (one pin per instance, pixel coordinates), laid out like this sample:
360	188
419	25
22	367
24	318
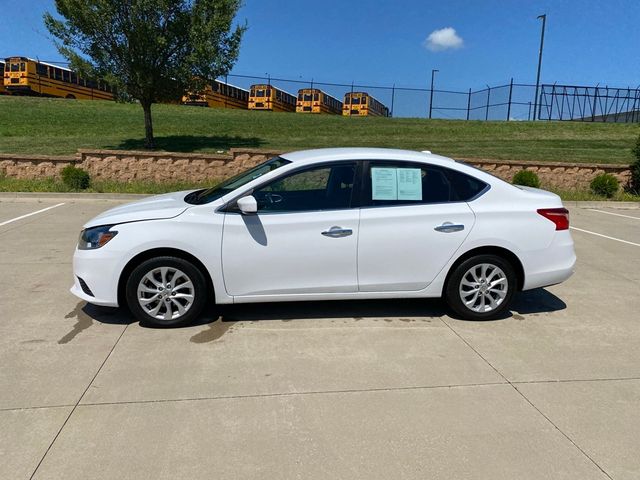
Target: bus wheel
71	97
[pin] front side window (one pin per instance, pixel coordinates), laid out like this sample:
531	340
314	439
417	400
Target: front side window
405	183
209	195
327	187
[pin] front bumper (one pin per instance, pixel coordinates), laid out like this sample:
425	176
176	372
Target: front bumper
100	272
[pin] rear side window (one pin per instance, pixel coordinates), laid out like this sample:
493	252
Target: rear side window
405	183
463	186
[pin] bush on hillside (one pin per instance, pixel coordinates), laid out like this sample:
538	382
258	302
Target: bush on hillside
634	181
604	184
526	178
75	178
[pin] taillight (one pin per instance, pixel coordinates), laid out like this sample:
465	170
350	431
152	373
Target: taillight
559	216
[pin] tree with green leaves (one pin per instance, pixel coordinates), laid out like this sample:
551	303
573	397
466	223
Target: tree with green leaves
154	50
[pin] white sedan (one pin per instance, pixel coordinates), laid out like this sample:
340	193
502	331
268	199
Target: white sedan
330	224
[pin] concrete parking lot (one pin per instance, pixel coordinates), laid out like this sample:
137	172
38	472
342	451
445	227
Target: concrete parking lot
325	390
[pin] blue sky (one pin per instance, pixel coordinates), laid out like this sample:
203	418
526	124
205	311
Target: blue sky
382	42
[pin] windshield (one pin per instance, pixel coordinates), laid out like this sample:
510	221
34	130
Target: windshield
210	194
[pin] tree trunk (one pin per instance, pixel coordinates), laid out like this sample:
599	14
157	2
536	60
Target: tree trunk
149	142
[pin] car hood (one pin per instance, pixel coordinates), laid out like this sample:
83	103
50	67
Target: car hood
152	208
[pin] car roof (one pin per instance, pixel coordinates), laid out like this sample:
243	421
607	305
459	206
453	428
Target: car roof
353	153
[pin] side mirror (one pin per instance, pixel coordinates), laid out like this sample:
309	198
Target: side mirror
248	205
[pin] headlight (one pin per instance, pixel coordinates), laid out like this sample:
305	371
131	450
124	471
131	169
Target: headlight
95	237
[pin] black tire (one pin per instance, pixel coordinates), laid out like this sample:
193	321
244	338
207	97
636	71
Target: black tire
171	297
453	295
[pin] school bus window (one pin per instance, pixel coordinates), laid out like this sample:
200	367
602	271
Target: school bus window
364	100
23	67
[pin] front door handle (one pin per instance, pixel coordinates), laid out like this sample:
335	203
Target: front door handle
448	227
337	232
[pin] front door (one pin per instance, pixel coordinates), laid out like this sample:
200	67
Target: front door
303	240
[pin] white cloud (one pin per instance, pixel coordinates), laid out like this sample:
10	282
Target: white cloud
443	39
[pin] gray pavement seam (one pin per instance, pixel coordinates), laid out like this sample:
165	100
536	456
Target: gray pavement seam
78	402
575	380
36	407
294	394
528	401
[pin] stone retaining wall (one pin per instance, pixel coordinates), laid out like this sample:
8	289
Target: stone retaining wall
125	165
555	174
33	166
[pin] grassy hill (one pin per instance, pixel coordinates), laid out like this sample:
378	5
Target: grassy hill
57	126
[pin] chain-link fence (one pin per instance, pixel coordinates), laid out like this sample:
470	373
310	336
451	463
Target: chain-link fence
512	101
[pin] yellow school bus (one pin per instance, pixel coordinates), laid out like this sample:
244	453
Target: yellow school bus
3	91
219	95
268	97
316	101
24	76
363	104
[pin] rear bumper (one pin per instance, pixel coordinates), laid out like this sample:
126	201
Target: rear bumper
550	266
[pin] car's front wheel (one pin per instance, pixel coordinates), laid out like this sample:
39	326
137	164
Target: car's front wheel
481	287
166	291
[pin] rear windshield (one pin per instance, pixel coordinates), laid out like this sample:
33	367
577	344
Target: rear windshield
208	195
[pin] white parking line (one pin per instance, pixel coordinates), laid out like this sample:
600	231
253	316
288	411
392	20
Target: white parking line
29	214
616	214
605	236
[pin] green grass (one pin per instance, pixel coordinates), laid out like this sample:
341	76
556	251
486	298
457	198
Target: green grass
58	126
49	184
586	195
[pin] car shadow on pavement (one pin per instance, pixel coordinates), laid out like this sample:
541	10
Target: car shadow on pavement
531	302
356	309
535	301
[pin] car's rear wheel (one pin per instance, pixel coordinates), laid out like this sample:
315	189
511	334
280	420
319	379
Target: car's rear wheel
481	287
166	291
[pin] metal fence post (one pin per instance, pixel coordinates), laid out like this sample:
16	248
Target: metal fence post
486	117
509	104
469	104
593	109
529	114
393	97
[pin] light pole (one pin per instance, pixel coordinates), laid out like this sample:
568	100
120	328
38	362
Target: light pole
433	74
535	102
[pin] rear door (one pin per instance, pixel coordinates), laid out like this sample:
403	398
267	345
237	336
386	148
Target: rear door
411	224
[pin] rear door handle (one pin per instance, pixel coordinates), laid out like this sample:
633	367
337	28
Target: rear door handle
448	227
337	232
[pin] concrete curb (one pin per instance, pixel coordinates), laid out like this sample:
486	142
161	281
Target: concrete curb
71	196
601	204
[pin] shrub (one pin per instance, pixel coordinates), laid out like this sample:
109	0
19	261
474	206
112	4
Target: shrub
604	184
75	178
634	181
526	178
